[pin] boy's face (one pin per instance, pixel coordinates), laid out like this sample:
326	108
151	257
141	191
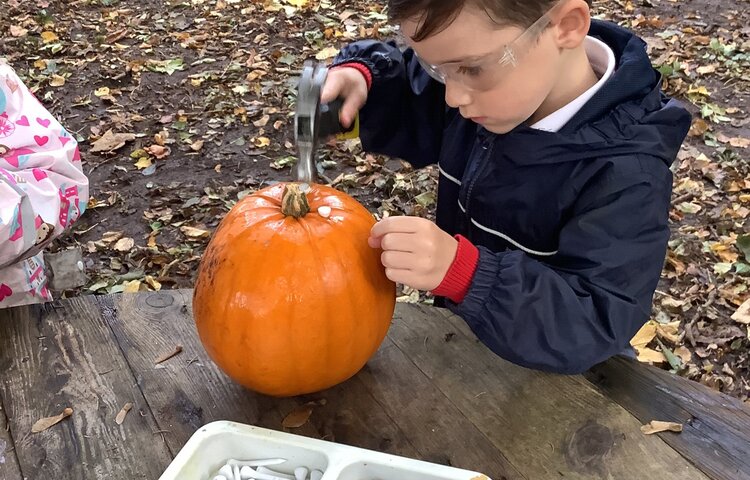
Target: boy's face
516	93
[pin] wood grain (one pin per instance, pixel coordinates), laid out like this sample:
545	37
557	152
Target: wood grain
53	358
716	427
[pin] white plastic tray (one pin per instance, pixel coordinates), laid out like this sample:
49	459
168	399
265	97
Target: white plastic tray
211	446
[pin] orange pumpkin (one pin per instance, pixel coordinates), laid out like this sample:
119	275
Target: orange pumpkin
290	300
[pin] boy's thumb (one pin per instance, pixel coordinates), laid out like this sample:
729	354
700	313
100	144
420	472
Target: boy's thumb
331	89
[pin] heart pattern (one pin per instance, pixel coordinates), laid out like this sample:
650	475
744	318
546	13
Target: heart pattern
41	141
5	291
23	121
43	122
13	85
39	174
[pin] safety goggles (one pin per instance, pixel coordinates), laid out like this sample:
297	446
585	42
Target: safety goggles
484	73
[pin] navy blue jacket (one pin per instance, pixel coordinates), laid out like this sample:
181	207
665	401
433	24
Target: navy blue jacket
572	226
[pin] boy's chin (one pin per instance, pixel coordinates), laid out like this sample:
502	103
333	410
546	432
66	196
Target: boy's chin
499	128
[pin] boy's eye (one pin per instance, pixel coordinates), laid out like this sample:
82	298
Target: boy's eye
471	71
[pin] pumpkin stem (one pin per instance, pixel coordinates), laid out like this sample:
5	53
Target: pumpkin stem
294	201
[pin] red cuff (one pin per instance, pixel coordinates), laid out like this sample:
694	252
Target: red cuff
458	279
362	68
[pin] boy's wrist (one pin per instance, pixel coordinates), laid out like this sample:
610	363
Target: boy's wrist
457	280
361	68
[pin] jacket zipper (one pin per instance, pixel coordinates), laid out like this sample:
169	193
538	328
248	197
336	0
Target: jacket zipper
476	172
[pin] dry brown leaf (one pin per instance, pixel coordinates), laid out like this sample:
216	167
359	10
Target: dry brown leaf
49	37
44	423
57	81
297	417
167	356
111	141
158	151
263	121
656	426
121	416
644	335
648	355
124	244
196	145
133	286
742	315
193	232
16	31
739	142
684	354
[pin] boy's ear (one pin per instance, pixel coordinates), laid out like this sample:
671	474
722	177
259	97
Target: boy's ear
572	24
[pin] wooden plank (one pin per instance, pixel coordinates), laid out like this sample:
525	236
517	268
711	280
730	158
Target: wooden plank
9	469
716	427
53	358
438	429
189	390
548	426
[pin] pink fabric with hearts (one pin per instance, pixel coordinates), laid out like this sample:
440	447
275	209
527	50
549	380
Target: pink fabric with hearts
41	186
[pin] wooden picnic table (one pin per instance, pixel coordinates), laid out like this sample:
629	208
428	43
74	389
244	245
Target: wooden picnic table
431	392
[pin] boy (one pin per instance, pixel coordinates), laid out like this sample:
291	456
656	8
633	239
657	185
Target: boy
553	142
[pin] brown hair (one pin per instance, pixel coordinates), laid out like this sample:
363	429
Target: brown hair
435	15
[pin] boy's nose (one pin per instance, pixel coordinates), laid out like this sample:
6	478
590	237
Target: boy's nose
456	95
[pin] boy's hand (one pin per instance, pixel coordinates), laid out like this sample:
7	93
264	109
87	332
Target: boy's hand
350	84
415	251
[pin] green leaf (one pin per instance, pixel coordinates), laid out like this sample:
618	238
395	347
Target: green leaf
743	243
722	268
284	162
166	66
742	268
689	207
674	361
425	199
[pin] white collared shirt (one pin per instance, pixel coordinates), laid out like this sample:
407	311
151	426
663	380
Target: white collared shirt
602	60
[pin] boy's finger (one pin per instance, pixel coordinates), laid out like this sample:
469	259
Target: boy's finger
397	275
349	110
400	242
331	89
374	242
394	225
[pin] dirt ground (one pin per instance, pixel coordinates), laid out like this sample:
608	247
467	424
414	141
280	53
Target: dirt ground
201	93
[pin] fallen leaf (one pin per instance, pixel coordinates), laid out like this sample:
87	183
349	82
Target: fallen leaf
648	355
124	244
262	142
263	121
297	417
166	66
196	146
44	423
121	416
158	151
143	162
656	426
133	286
111	141
742	315
16	31
193	232
684	354
49	37
739	142
644	335
326	53
57	81
153	283
167	356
